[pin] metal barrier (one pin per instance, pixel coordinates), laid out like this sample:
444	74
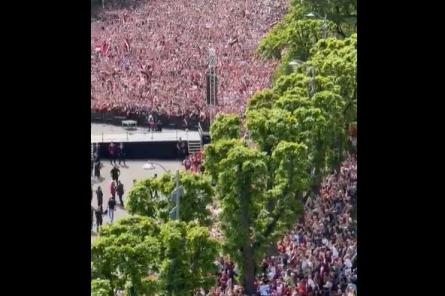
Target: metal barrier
148	136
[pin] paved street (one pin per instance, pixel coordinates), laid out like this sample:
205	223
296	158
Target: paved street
133	170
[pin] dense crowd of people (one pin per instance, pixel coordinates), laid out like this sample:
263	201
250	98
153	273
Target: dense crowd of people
147	60
319	255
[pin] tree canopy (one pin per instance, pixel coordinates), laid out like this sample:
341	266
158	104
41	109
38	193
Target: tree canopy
225	126
151	197
173	258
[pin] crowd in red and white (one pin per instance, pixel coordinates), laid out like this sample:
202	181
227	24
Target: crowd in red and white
153	58
193	162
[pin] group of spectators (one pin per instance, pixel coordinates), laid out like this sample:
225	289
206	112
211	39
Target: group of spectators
116	188
116	153
319	255
153	58
193	162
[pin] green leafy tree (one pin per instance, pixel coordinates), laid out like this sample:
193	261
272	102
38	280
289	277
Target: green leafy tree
343	13
138	253
242	188
262	99
253	215
337	61
100	287
332	106
127	252
144	198
214	153
268	127
188	254
225	126
289	179
294	36
151	197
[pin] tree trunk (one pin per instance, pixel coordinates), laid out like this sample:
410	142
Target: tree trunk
248	268
248	262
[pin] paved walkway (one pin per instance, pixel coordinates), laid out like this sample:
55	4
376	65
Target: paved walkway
133	170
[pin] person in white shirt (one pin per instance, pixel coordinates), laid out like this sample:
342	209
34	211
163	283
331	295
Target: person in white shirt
264	289
310	282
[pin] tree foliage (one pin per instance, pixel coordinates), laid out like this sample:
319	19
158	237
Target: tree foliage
343	13
125	253
337	61
175	258
100	287
188	255
254	215
294	36
214	153
151	197
225	126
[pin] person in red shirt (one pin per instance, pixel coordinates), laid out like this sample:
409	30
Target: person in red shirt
302	288
187	163
113	189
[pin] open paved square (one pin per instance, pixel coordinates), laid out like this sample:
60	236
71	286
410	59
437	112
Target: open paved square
132	171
